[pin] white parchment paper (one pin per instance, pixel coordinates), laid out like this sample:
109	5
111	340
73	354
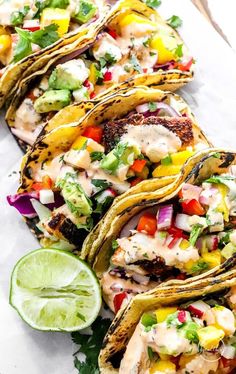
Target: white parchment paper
213	100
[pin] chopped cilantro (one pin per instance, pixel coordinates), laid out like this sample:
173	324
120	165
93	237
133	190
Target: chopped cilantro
145	255
219	179
200	266
167	160
17	18
96	156
146	42
127	68
88	225
174	22
225	239
152	53
114	245
179	50
107	59
153	3
216	155
90	346
100	184
61	159
150	353
136	66
195	232
152	107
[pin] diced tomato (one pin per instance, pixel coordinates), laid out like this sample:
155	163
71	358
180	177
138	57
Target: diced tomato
192	207
45	184
92	95
135	181
31	95
138	165
87	84
118	300
196	312
112	33
148	223
181	316
173	242
228	363
94	132
107	77
145	70
185	66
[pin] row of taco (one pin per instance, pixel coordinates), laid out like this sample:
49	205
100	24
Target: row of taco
118	170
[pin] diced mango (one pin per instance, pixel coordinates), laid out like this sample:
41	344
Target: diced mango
222	207
165	47
162	366
164	170
210	337
184	244
163	313
135	18
60	17
79	142
213	258
188	265
93	74
179	158
5	43
164	357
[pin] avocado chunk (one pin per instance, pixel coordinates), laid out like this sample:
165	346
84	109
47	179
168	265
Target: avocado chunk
110	162
69	76
52	101
75	198
122	154
87	9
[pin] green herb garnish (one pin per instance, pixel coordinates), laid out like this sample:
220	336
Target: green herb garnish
195	232
174	22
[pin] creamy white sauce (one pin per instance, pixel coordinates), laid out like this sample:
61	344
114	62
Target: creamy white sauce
136	30
52	169
8	7
78	159
106	44
155	141
201	364
85	183
141	246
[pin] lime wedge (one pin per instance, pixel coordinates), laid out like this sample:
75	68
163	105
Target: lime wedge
55	290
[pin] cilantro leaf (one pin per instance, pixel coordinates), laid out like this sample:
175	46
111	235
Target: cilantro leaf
45	37
100	184
196	231
174	22
167	160
90	345
219	179
114	245
153	3
23	47
96	156
152	107
179	50
17	18
200	266
136	66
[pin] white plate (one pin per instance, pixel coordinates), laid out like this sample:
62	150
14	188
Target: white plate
213	100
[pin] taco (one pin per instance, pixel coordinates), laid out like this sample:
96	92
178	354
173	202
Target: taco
175	330
114	149
183	230
31	30
135	47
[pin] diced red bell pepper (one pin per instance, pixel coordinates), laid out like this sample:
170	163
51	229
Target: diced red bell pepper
92	95
173	242
192	207
181	276
181	316
185	66
118	300
46	184
107	77
87	84
138	165
147	223
177	233
196	312
145	70
31	95
112	33
31	25
93	132
135	181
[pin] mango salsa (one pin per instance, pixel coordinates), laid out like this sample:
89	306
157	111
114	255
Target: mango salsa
93	74
179	158
210	337
59	17
213	258
134	18
222	207
165	46
163	367
79	142
164	170
163	313
5	43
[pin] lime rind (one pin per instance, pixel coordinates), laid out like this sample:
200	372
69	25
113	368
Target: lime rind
53	290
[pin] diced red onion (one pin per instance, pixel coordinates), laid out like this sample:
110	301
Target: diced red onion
145	110
182	222
133	222
164	217
198	308
190	191
167	66
212	242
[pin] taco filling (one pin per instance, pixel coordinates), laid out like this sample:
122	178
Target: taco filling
131	45
191	234
27	26
105	161
197	337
